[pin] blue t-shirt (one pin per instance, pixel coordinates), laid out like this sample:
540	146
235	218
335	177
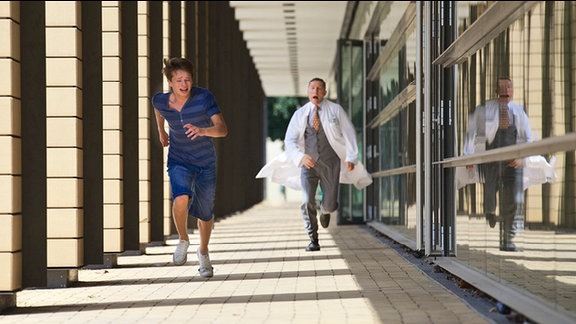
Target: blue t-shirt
196	111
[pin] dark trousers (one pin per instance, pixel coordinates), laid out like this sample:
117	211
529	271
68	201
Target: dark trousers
505	183
327	174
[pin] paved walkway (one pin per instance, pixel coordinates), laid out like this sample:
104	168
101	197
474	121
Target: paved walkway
262	274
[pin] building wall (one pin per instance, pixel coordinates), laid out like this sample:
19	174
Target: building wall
423	79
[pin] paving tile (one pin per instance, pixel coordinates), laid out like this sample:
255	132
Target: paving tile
262	274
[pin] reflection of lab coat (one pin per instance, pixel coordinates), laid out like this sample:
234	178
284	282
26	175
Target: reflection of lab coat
285	168
482	128
483	125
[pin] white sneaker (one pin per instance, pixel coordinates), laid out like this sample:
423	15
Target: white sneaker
181	253
205	269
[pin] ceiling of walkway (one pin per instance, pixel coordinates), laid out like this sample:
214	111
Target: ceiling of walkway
291	42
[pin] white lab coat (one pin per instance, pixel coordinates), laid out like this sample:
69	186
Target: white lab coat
285	168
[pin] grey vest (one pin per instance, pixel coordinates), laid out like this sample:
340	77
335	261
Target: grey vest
317	145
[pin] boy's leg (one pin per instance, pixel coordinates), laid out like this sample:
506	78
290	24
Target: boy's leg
180	216
205	230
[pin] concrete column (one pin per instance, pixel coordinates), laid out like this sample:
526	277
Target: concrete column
129	103
112	132
64	140
10	150
32	87
92	133
167	49
144	116
157	168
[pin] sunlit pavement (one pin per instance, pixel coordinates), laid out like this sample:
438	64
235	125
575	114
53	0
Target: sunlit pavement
262	274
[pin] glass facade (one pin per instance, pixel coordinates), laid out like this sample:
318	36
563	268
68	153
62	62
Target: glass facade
351	96
537	52
426	73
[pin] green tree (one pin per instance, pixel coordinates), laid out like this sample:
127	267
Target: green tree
280	110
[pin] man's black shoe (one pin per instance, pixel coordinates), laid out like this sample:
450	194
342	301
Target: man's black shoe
325	220
313	246
491	219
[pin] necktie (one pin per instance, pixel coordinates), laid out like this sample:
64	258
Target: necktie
316	119
504	117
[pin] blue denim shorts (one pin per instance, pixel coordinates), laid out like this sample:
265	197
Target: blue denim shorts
199	183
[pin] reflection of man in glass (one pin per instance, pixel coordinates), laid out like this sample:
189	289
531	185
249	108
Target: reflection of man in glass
501	122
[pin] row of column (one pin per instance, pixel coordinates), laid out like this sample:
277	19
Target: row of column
82	174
